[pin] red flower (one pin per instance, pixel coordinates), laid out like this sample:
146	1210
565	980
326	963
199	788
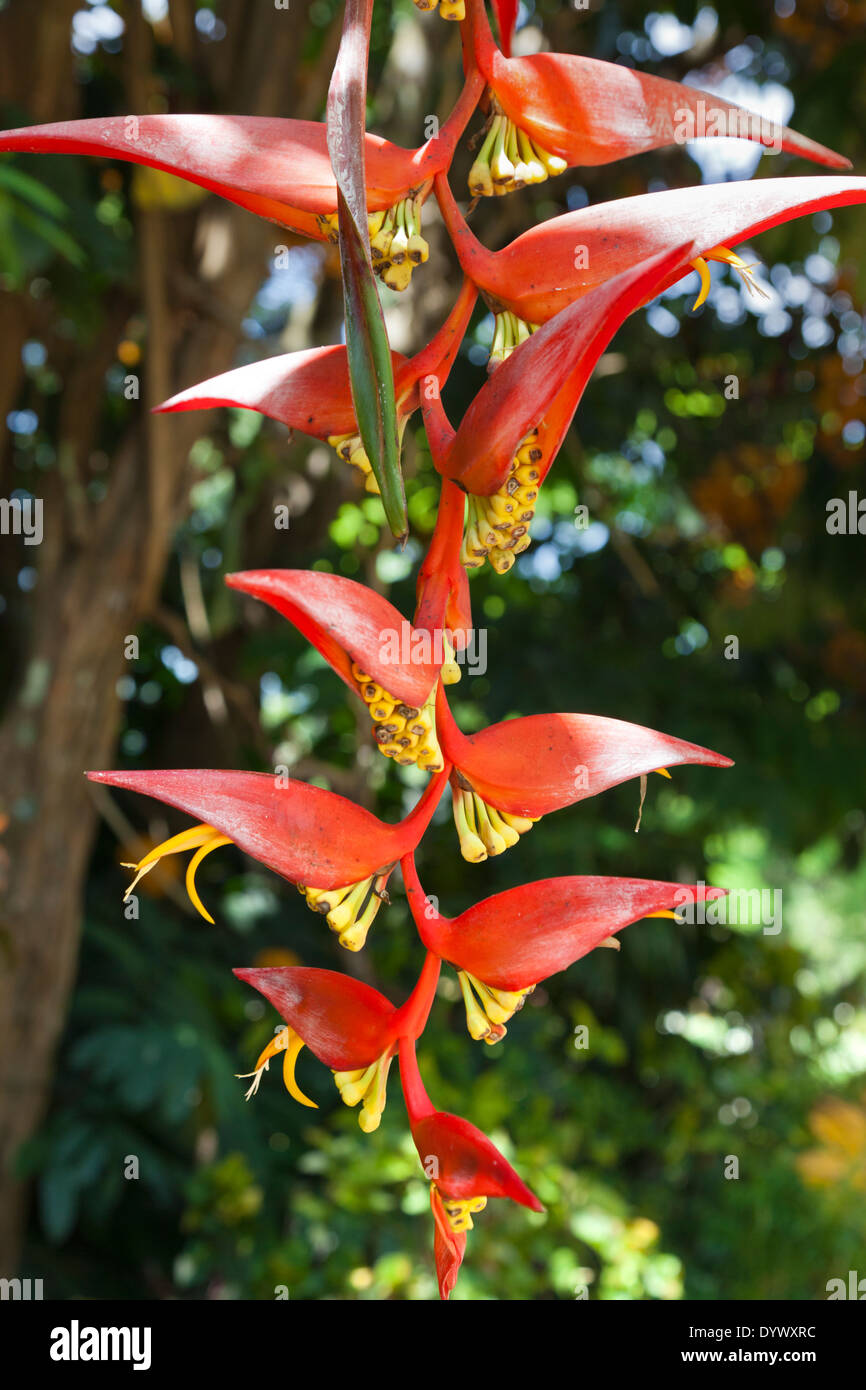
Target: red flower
464	1169
558	261
338	854
513	429
508	775
506	945
555	110
279	169
348	1025
310	391
373	649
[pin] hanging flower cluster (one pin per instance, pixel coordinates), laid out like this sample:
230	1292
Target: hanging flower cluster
559	292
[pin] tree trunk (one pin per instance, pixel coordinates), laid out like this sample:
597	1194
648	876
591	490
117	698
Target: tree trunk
101	564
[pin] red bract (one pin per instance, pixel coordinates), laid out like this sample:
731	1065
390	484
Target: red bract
277	168
343	1022
546	374
519	937
371	647
463	1167
584	111
506	945
467	1164
349	1026
346	623
514	772
558	261
309	391
340	855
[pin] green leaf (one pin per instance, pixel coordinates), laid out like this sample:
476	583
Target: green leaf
24	186
54	236
58	1205
371	373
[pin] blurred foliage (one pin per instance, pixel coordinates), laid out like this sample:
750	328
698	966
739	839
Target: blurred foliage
705	522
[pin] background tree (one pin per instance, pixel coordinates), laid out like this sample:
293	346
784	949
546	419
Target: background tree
707	521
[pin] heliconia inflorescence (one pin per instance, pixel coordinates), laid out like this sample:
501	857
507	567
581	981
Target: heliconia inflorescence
555	315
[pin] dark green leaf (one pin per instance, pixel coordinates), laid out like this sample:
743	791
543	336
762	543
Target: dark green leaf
370	371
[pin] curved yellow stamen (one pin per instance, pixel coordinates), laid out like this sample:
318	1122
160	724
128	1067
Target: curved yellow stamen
288	1041
725	256
192	869
289	1063
703	270
202	838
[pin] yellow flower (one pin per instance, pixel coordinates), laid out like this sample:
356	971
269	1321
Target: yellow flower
841	1127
